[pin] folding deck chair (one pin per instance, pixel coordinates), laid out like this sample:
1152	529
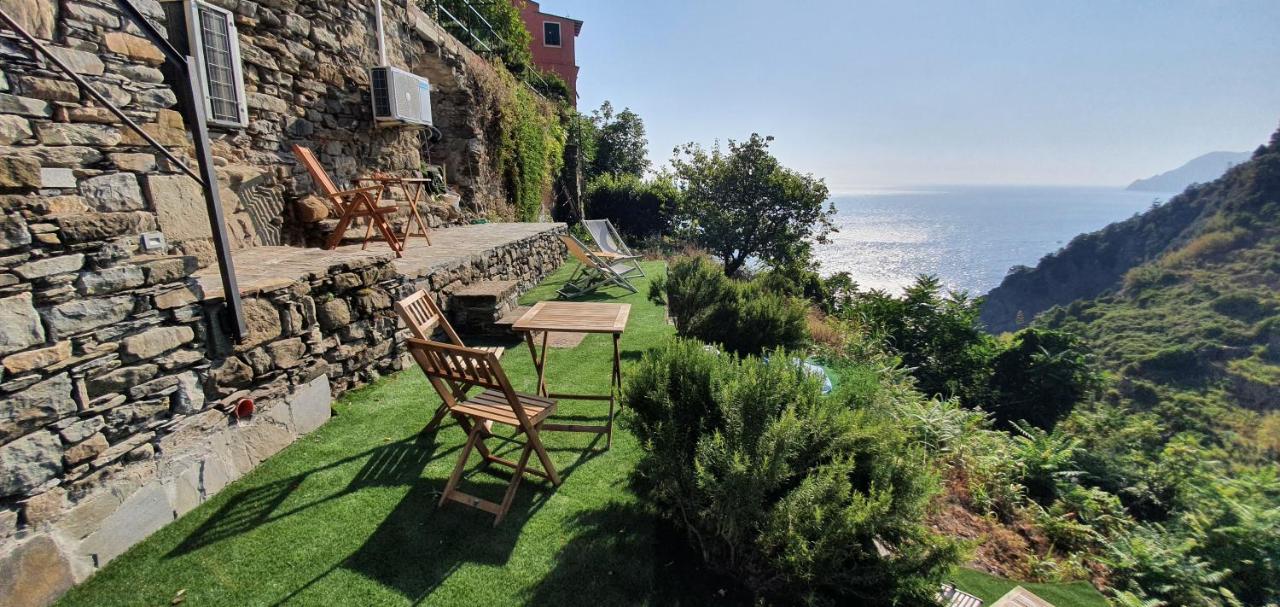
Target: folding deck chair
593	271
423	317
449	365
610	246
351	205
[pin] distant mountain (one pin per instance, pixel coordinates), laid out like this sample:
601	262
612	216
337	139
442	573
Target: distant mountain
1201	169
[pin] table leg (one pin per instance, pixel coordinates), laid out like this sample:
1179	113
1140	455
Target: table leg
615	386
539	362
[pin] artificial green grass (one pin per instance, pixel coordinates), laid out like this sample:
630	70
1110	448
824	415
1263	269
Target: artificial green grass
990	588
347	515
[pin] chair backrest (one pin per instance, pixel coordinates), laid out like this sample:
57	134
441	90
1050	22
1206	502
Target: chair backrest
423	316
318	174
449	366
603	233
580	252
460	364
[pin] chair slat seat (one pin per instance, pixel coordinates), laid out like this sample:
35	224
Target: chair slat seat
492	405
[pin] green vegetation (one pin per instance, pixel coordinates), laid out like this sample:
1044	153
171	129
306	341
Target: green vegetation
744	317
801	498
621	147
990	588
531	150
742	204
640	209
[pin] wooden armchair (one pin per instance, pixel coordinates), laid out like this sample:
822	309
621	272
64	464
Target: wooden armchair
350	205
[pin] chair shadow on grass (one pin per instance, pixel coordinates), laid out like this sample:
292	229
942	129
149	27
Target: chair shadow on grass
419	544
393	464
622	554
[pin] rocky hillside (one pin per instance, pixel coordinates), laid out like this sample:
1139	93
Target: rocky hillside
1231	213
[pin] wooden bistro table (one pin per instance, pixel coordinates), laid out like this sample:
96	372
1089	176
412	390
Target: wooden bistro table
413	188
576	317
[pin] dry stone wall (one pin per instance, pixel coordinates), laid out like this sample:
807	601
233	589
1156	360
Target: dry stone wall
115	375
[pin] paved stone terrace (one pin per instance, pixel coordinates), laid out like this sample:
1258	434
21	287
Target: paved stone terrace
263	269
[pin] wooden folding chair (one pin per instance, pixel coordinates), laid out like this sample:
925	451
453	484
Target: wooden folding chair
351	205
593	271
420	312
448	365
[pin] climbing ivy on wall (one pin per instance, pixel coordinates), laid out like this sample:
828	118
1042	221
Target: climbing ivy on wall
531	147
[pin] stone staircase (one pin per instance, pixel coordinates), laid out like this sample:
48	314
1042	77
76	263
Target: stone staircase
477	309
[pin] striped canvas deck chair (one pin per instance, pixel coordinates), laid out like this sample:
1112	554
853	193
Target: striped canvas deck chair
448	365
593	271
610	246
423	317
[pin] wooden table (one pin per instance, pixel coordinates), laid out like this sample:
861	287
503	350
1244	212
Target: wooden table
576	317
413	188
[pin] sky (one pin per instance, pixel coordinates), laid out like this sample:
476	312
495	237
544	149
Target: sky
891	94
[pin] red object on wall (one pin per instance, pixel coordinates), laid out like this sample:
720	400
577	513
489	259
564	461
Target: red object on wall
553	42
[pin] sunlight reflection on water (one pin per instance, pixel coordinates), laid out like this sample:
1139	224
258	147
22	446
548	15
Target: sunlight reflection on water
968	235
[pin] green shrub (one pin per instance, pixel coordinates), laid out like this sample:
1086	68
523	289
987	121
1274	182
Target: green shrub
936	335
1244	306
639	209
1040	377
741	316
800	498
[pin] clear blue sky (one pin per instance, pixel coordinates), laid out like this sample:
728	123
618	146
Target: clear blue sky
882	94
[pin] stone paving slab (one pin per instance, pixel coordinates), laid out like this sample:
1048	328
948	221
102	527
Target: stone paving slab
261	269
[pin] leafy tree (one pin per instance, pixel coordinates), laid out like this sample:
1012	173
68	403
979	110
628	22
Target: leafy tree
936	335
743	204
621	145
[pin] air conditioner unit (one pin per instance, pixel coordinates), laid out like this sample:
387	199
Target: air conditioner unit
399	96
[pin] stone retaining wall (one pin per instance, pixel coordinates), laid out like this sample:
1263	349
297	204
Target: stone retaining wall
123	424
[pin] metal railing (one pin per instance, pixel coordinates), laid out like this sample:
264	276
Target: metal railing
480	35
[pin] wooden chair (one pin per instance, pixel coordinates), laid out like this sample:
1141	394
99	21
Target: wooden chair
593	271
449	365
420	312
351	205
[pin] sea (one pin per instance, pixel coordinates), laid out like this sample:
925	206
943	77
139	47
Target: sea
968	236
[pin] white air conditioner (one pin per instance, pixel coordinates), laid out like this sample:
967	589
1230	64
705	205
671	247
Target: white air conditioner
399	96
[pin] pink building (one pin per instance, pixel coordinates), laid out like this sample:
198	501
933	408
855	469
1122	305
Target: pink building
553	42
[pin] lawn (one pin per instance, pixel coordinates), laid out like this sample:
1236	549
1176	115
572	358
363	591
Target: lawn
348	516
989	588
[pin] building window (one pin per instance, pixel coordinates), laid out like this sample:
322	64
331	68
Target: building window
212	39
550	33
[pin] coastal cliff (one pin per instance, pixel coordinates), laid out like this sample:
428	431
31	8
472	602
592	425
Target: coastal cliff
1096	263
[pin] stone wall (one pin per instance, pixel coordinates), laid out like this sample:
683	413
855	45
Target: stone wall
120	418
305	65
114	374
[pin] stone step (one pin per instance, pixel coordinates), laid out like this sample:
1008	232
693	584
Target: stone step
476	308
488	292
511	317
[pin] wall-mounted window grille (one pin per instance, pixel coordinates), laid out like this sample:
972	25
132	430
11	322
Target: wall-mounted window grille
210	35
551	33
